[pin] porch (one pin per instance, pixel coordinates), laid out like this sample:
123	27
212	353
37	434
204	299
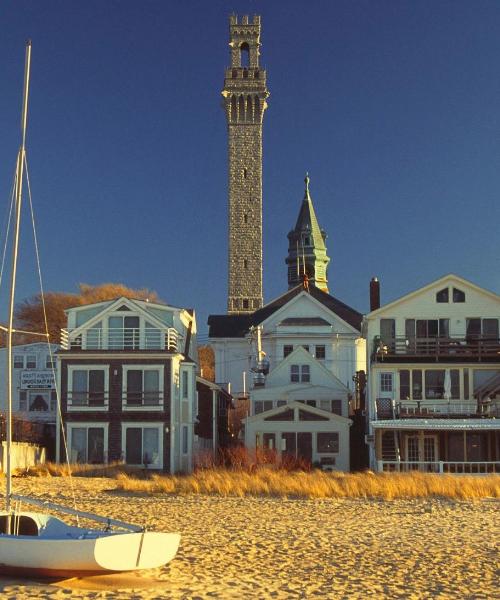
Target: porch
437	445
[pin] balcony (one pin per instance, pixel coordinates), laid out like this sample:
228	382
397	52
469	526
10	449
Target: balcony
142	400
432	409
444	349
87	401
115	339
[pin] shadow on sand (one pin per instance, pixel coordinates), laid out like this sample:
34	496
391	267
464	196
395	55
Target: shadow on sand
109	582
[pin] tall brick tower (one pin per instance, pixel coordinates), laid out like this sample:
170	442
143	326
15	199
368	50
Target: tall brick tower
245	94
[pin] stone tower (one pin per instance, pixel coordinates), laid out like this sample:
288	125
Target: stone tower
306	247
245	94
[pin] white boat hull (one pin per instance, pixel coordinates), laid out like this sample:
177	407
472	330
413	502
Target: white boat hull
64	551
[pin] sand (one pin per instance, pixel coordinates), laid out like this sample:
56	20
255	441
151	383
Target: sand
273	548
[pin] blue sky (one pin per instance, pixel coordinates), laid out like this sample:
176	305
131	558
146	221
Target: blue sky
392	107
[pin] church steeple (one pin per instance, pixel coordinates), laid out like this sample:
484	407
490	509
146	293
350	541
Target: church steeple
306	247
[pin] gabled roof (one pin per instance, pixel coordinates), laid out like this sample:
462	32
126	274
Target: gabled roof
228	326
450	278
301	406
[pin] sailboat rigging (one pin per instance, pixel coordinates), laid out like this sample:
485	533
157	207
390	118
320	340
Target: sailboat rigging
39	543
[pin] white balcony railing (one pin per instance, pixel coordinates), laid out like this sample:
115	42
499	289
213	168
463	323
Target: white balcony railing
453	467
123	338
87	400
142	400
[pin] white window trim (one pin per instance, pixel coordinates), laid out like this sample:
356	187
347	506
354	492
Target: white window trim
87	424
86	367
161	369
392	390
142	424
22	356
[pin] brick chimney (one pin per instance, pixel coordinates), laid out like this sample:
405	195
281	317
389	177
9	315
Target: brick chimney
374	294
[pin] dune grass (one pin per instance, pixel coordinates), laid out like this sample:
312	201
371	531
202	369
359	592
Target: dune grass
316	484
50	469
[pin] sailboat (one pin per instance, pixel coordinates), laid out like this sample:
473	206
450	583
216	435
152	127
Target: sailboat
38	543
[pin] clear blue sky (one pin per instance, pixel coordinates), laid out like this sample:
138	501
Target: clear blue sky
392	107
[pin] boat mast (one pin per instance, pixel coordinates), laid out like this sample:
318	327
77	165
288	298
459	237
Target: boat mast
15	246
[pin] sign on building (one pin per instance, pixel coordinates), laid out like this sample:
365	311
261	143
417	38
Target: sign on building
40	380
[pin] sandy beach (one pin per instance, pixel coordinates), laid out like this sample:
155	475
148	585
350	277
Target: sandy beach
274	548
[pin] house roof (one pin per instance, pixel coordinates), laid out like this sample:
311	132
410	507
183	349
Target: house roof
228	326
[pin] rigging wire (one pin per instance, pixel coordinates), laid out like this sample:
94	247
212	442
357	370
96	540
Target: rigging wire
8	219
49	345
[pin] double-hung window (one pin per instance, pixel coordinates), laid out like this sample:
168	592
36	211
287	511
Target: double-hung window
87	387
143	387
300	373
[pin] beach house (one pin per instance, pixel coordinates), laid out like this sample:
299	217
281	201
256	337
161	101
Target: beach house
127	380
434	379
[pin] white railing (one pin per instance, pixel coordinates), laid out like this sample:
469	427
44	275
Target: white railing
440	466
431	408
142	399
87	400
121	338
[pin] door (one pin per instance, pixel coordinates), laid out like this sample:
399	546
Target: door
304	445
423	451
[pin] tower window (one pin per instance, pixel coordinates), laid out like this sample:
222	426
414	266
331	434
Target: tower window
245	218
245	303
245	73
245	173
245	263
235	73
244	55
256	74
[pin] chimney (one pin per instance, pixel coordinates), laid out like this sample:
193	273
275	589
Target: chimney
374	294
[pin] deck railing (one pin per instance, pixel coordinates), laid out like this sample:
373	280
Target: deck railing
440	466
478	347
429	409
122	338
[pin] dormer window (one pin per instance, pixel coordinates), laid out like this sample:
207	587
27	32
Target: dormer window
458	295
443	295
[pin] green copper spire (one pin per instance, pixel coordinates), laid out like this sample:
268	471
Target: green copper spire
307	249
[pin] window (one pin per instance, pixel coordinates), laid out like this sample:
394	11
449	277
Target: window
244	55
286	415
123	333
87	387
142	444
320	352
434	384
305	375
18	361
416	383
245	218
262	405
305	415
404	385
143	387
443	295
245	263
23	400
185	388
308	402
325	405
246	303
337	407
386	382
327	441
185	439
281	403
87	443
39	401
53	400
245	173
294	373
458	295
388	332
425	328
487	328
287	349
31	361
50	362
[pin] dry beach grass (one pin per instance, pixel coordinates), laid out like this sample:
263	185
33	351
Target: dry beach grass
295	547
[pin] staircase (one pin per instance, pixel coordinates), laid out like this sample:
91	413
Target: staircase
390	450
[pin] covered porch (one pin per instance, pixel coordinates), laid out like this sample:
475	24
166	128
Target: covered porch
437	445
